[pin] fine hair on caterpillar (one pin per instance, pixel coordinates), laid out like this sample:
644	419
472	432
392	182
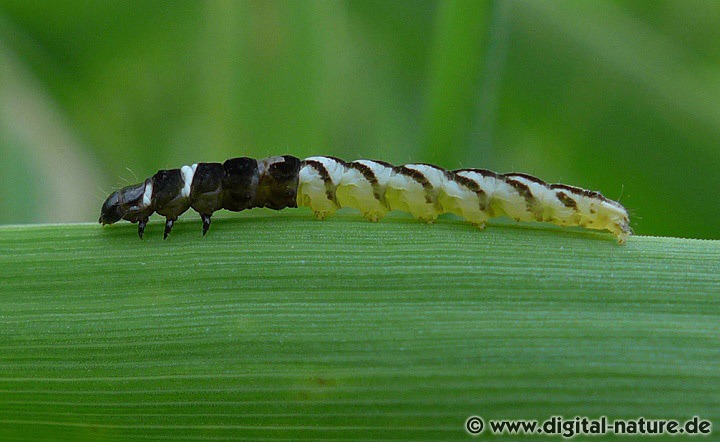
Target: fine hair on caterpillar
326	184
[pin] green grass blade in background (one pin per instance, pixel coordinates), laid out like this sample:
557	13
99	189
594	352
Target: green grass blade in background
454	77
281	327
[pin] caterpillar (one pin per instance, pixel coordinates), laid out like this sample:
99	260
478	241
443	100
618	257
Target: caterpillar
375	188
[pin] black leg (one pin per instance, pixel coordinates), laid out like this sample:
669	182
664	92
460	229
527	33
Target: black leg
168	227
141	227
206	222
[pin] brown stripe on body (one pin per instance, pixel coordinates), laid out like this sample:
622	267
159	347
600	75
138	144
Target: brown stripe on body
563	197
532	203
325	176
485	173
446	173
587	193
524	190
521	188
534	179
369	175
473	186
366	172
566	200
419	178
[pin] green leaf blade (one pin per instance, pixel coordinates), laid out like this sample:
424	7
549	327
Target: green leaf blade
284	327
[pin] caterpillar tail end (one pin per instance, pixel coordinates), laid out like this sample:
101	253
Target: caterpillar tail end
622	232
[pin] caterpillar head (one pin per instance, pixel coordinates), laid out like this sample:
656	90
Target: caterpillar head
126	203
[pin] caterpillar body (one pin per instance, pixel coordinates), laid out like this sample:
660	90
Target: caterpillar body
375	188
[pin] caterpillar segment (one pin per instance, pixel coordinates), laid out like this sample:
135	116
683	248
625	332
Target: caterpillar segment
326	184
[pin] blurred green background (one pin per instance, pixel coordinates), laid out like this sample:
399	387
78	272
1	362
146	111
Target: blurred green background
621	97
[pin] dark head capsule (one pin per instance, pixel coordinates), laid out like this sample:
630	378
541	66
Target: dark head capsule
111	212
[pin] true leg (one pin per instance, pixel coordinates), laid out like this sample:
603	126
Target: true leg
141	226
206	222
168	227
